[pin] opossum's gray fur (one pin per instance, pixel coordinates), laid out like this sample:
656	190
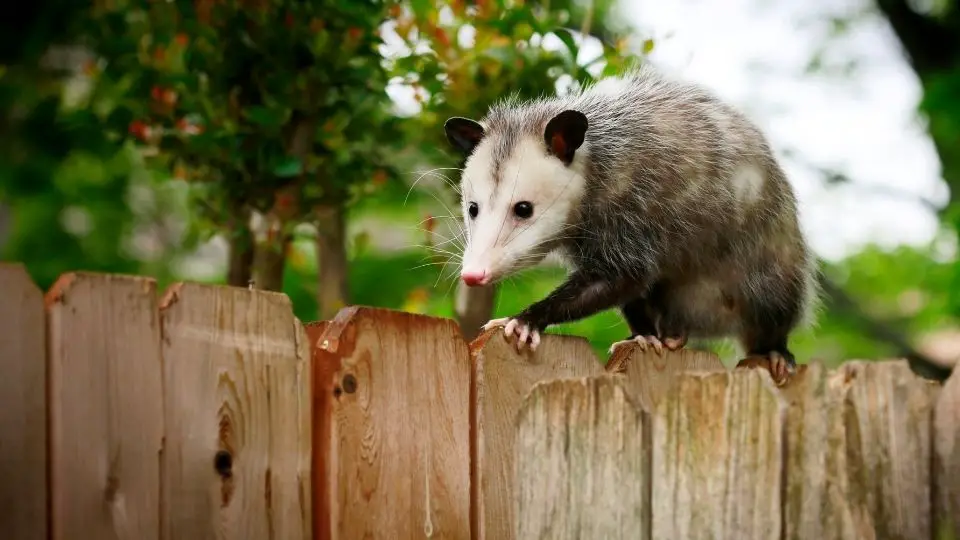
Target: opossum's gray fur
669	193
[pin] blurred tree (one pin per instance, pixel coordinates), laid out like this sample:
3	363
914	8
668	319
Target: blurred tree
462	57
930	35
64	172
275	111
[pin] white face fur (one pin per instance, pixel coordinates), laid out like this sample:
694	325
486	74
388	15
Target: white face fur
514	221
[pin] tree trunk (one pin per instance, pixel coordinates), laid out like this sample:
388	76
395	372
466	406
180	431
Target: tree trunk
332	274
241	246
270	258
5	220
474	308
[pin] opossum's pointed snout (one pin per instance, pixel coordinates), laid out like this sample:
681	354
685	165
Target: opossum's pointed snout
474	278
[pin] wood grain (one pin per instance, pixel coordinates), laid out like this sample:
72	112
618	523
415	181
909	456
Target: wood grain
237	400
816	505
393	427
322	415
503	377
888	413
23	407
651	376
947	462
581	462
106	415
717	458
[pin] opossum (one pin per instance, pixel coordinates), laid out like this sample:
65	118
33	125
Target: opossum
660	199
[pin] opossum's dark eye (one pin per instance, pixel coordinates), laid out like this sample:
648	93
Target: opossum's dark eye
473	210
523	209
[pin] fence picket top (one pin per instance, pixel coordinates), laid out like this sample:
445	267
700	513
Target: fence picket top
238	414
815	505
174	291
341	330
23	406
651	376
947	461
887	422
392	395
717	457
503	377
581	462
105	390
558	350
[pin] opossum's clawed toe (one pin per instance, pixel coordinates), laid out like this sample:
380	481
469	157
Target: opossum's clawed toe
495	322
526	334
781	366
675	343
642	342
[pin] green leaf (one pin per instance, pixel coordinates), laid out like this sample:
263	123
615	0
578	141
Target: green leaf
266	116
422	8
647	46
566	36
288	166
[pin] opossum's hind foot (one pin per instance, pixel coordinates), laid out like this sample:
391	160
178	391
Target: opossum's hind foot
781	364
675	343
525	333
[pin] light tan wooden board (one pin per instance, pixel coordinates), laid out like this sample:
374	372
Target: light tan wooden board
947	462
580	462
396	443
23	407
237	380
651	376
816	505
887	414
106	415
717	458
503	378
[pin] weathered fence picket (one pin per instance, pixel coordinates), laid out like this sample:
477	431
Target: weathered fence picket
393	397
581	462
717	458
215	413
946	472
503	377
106	407
236	459
23	407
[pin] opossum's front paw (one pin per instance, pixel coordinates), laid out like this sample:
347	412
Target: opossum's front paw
525	332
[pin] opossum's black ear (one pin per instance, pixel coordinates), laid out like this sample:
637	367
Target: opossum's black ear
564	134
463	133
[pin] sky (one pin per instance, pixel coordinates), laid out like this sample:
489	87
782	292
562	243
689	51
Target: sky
754	53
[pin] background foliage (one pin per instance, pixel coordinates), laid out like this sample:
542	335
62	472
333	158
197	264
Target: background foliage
228	140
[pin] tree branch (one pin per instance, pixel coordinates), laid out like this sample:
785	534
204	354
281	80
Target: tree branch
882	331
931	45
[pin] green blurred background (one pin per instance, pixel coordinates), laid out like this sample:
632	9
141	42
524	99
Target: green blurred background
300	145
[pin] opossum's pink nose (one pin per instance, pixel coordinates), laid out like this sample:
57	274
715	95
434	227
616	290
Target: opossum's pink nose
473	278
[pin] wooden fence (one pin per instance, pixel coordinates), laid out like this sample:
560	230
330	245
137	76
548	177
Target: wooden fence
211	412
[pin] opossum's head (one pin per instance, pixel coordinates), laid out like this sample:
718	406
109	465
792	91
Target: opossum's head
519	189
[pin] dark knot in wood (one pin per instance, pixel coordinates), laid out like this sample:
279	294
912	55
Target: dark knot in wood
349	384
223	463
